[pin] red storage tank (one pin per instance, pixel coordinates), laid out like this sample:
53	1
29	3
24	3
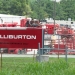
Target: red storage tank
23	22
50	29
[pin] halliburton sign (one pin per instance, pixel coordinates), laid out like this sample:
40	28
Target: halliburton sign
21	38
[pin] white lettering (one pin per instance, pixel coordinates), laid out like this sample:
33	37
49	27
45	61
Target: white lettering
17	36
24	36
28	37
5	36
11	36
34	37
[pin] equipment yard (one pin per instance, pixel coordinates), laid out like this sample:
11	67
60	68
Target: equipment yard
24	37
37	37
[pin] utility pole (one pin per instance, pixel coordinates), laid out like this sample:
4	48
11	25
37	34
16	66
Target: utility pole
39	6
54	14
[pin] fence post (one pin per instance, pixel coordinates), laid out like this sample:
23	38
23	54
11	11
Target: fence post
1	57
66	54
34	55
42	41
39	50
58	46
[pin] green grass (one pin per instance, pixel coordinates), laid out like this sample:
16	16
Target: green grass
28	66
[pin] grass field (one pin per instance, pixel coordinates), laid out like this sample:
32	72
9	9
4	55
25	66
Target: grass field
28	66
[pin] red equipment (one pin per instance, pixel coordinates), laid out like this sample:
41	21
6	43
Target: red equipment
67	34
67	41
49	28
6	24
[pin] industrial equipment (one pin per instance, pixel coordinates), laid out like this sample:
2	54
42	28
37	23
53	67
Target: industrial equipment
63	38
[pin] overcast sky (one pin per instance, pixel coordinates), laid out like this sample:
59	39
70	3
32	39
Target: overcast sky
57	0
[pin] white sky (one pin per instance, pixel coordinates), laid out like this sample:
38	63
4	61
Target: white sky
57	0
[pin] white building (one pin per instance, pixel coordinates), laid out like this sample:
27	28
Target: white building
10	18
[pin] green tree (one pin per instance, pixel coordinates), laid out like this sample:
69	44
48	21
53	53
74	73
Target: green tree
68	8
20	7
5	6
59	12
38	8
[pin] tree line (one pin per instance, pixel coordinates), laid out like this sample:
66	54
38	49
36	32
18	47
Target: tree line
39	9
